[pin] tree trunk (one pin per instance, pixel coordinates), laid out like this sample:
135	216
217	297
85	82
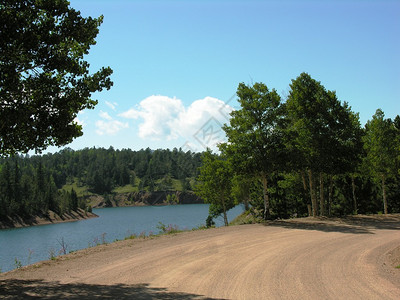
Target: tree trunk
303	177
226	219
321	194
309	210
246	202
266	198
330	194
385	208
224	209
353	188
312	194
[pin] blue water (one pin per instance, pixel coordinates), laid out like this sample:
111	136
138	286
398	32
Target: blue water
32	244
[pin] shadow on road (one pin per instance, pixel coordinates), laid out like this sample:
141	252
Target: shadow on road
38	289
350	224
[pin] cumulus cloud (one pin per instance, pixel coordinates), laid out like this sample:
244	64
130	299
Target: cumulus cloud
105	115
163	117
109	126
201	114
113	105
158	114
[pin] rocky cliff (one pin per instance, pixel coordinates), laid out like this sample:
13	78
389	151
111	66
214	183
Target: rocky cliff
144	198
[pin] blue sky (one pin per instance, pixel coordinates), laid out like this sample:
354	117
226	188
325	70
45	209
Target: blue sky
177	64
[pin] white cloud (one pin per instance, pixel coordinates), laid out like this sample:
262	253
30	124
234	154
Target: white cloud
167	118
109	126
113	105
158	114
201	113
105	115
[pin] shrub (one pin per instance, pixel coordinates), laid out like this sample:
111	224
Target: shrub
168	229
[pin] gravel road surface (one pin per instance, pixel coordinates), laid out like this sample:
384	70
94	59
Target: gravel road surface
352	258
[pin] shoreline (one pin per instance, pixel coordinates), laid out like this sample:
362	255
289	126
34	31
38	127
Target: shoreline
50	218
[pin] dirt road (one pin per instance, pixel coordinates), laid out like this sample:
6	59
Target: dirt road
303	259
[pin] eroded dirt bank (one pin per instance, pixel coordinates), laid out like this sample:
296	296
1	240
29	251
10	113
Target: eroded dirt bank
50	218
298	259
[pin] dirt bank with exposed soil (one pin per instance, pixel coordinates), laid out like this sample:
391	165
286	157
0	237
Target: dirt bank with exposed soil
50	218
142	198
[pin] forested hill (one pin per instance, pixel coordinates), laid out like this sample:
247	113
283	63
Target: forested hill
30	185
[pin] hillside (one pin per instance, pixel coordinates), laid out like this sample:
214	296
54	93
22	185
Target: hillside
67	180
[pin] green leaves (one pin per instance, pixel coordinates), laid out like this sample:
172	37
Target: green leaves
381	143
254	134
255	144
323	133
214	184
44	80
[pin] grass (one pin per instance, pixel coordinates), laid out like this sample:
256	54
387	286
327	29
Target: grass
125	189
83	190
398	267
168	229
129	188
245	218
80	190
17	263
176	185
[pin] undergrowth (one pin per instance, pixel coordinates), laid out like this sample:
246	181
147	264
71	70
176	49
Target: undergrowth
246	218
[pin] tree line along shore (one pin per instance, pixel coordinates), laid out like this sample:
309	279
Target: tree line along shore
305	156
69	180
302	154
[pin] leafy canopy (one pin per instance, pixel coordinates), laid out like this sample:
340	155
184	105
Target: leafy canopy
44	79
381	144
323	134
214	184
254	134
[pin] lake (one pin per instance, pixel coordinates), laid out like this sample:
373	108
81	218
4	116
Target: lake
23	246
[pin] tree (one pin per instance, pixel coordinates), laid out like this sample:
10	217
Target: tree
323	135
214	184
6	190
381	143
73	203
255	137
241	189
44	80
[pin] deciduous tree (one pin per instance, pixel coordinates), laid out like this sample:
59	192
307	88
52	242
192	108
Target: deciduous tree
323	135
44	79
381	143
214	184
255	137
